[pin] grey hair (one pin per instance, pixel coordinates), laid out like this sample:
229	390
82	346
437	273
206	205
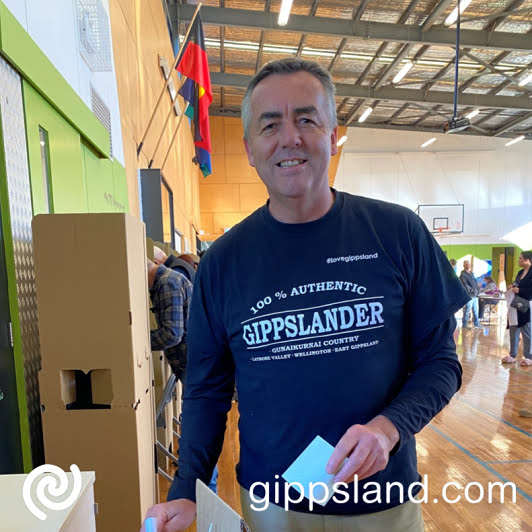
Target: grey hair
290	65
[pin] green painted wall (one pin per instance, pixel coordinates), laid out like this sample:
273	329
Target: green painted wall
68	188
482	251
81	181
22	52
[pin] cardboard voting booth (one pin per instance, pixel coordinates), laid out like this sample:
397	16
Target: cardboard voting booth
96	381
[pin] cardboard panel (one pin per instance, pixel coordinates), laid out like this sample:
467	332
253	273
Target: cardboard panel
118	445
92	296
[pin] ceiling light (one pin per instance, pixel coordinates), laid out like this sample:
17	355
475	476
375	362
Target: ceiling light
403	72
341	141
284	12
525	80
429	142
365	114
515	141
473	113
451	19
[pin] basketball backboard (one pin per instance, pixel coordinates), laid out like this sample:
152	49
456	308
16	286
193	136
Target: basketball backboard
442	218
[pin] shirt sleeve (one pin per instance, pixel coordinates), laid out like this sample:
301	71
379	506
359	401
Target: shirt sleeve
436	375
209	389
170	314
434	295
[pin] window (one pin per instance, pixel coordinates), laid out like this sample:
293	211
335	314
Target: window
167	204
45	170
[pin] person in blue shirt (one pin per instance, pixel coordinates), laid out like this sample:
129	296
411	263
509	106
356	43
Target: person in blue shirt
334	314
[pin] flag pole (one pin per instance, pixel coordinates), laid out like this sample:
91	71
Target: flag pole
183	78
173	138
167	80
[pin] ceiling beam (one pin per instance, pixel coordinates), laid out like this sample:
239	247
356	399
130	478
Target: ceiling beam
313	10
399	95
261	40
436	12
351	115
502	16
357	15
511	124
377	31
490	67
399	111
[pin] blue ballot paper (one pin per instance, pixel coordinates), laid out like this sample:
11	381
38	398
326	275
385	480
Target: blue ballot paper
309	468
150	524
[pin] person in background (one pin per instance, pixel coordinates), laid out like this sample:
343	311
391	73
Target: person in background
522	286
471	286
489	290
170	294
185	264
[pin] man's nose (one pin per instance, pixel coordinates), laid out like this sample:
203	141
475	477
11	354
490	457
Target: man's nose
290	135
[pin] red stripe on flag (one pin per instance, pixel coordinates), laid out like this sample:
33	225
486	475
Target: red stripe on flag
195	65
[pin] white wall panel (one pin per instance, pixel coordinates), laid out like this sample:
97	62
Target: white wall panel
18	8
493	182
52	25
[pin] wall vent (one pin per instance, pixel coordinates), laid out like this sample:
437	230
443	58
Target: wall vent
103	114
93	35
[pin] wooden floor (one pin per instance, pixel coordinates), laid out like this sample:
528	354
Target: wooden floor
479	437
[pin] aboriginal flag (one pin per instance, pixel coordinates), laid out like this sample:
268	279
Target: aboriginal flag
197	92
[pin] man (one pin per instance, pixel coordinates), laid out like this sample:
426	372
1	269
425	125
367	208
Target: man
170	293
344	341
184	264
472	288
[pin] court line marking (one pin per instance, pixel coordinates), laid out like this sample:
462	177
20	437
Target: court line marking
494	416
509	462
480	462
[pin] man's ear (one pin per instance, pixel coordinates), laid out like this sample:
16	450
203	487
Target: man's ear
248	151
334	141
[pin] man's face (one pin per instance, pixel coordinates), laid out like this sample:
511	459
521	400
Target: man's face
290	139
467	265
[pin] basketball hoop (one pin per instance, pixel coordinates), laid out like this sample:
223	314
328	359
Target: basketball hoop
442	229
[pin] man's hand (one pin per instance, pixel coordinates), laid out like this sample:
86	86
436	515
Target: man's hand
172	516
515	289
367	449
